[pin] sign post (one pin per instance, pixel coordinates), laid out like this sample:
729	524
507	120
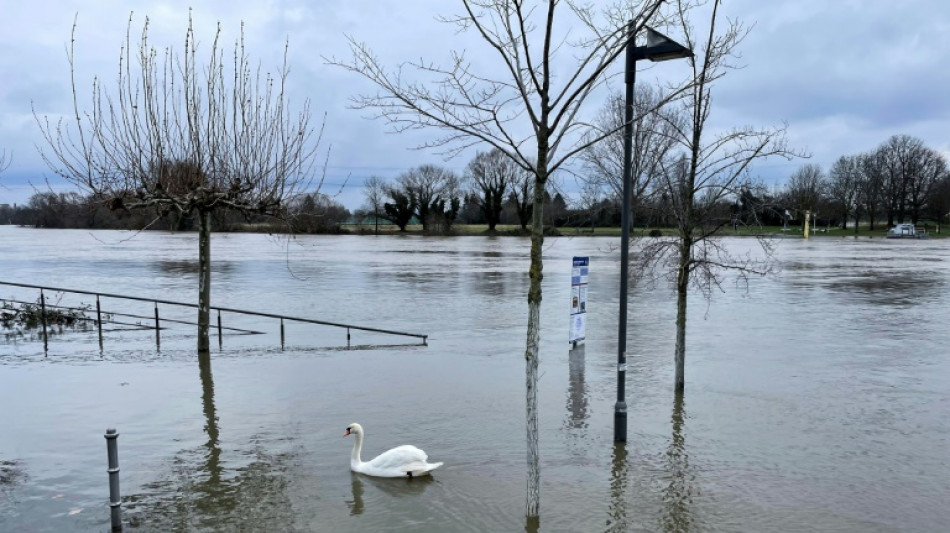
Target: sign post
579	277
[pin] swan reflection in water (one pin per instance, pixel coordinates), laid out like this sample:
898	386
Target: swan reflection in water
391	487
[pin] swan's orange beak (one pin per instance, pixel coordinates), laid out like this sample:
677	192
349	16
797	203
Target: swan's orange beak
347	432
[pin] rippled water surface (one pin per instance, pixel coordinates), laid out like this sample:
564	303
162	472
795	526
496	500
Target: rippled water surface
817	399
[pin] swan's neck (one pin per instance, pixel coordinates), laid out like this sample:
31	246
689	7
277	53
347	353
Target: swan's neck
357	447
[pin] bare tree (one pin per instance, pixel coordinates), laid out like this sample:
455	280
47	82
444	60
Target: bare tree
316	213
654	139
591	202
939	204
805	187
4	164
402	208
871	185
910	171
374	190
492	173
427	185
712	169
843	189
927	168
551	56
189	134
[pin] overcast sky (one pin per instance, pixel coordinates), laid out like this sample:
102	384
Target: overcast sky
844	75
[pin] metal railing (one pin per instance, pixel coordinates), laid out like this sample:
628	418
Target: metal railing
110	315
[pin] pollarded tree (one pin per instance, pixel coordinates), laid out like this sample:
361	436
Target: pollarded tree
186	133
444	212
401	209
492	173
426	185
550	57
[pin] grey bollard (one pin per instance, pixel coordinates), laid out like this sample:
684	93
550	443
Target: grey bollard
99	321
158	329
115	500
43	317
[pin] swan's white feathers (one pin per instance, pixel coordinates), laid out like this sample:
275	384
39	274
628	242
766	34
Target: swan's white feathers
397	462
399	457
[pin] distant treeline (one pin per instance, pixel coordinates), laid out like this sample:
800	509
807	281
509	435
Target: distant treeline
312	213
901	181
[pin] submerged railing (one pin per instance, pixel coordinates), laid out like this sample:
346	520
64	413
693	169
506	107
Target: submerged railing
79	314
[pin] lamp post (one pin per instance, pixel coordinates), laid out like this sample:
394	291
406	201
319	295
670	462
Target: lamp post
659	47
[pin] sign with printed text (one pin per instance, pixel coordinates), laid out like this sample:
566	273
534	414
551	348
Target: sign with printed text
580	272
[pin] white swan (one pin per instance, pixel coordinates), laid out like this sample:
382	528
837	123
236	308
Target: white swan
401	461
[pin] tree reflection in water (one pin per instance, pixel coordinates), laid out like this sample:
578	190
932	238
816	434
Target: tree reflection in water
678	494
617	511
203	494
212	495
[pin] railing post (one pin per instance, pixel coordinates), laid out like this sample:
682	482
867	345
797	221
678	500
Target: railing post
43	319
158	328
281	333
220	342
115	499
347	337
99	321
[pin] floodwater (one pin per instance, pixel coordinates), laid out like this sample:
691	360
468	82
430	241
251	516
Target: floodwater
817	399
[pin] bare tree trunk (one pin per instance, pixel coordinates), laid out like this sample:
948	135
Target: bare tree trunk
682	287
204	279
532	502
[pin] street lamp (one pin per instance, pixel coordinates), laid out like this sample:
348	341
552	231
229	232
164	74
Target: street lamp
659	47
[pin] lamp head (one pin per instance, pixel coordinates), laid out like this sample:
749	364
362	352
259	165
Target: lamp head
659	47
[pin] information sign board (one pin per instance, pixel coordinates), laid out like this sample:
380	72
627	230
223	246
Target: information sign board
580	273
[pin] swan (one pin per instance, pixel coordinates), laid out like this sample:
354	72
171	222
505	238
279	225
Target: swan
401	461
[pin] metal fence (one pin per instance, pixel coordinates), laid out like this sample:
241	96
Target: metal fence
144	320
